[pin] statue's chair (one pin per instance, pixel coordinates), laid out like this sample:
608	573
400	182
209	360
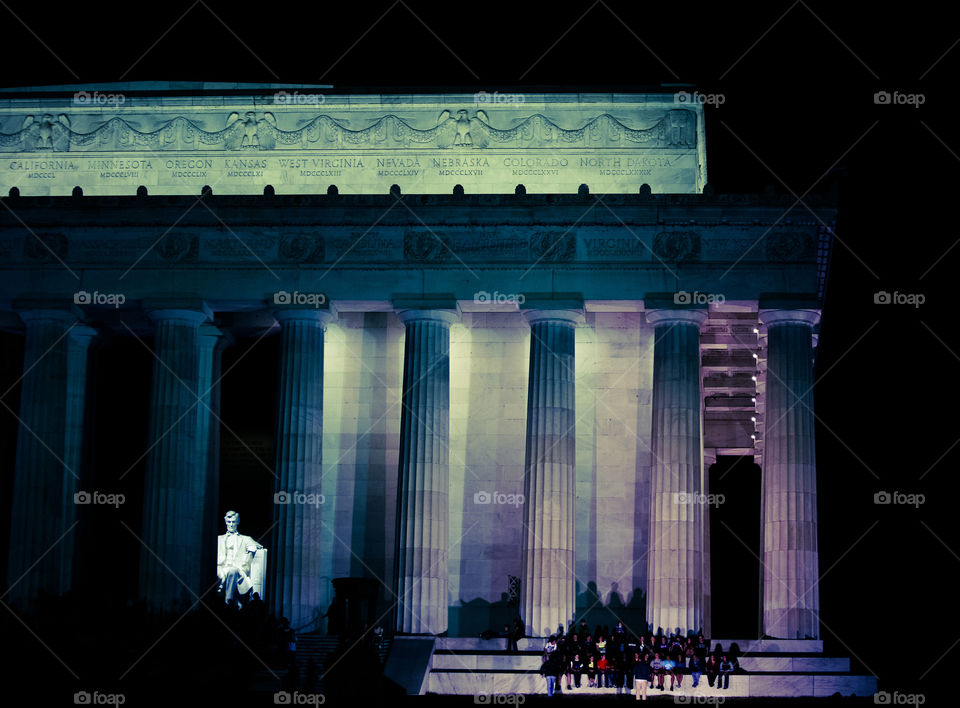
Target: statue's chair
257	576
258	572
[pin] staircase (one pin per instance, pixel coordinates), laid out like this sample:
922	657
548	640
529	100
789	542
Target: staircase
769	668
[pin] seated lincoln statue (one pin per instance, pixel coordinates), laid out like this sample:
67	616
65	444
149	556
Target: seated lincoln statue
237	565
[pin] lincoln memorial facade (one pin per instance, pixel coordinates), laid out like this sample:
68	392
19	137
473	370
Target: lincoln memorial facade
512	340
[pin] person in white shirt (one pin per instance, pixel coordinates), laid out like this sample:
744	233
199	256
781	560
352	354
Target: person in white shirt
550	647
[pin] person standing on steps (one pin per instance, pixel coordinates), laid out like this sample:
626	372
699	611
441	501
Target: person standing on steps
641	676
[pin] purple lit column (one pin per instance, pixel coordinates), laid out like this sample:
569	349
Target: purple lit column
675	565
295	569
548	597
423	475
791	601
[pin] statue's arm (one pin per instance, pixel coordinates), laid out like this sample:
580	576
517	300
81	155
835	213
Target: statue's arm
221	557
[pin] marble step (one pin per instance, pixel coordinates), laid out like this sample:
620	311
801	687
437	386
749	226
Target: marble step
747	646
532	662
476	683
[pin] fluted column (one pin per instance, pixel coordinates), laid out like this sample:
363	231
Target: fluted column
175	484
423	475
549	591
78	348
46	472
675	562
791	601
295	569
208	441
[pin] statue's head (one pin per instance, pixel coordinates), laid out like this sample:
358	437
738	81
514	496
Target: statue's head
232	519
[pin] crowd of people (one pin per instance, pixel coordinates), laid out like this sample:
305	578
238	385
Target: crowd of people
620	660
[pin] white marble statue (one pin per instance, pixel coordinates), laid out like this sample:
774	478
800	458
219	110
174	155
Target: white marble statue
235	553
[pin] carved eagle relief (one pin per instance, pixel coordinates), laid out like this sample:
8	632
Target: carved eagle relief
248	133
462	131
47	133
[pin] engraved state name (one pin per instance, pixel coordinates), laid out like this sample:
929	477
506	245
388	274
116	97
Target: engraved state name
243	166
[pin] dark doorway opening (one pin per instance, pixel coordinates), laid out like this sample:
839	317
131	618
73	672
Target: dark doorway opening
735	547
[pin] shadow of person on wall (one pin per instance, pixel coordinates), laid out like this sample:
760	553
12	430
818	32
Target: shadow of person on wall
589	597
615	602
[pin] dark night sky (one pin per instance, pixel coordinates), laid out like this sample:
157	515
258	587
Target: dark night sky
799	113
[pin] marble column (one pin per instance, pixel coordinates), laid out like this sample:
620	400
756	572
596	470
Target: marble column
296	581
549	591
708	460
675	562
171	569
81	336
423	474
208	441
47	466
791	602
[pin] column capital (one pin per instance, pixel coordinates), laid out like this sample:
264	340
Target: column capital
431	306
447	317
572	317
64	315
83	334
709	458
776	317
209	336
671	316
321	316
31	308
188	316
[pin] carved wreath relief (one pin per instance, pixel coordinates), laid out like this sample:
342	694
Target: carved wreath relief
261	131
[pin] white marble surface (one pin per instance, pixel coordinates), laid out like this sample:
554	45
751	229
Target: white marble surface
846	685
791	674
501	662
785	646
753	686
302	141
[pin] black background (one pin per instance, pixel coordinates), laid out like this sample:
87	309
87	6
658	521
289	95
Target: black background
798	81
